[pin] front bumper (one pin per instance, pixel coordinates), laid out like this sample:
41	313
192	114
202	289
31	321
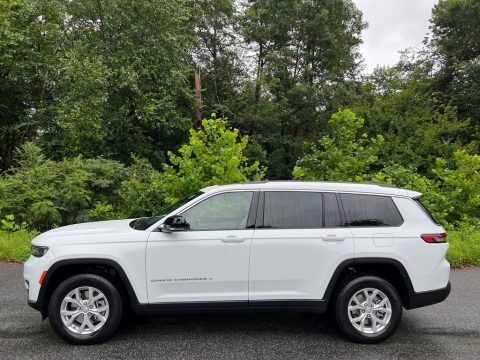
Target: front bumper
425	298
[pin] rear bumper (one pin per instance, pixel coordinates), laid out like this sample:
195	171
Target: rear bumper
425	298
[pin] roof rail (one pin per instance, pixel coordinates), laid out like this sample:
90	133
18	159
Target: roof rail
382	185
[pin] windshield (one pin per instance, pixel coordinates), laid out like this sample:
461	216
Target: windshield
145	223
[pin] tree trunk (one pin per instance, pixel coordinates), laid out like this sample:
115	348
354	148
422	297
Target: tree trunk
197	116
258	87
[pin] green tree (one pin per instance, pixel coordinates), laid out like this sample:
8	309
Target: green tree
214	155
304	51
456	41
347	154
399	103
216	52
17	78
99	78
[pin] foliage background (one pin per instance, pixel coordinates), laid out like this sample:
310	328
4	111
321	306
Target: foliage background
96	100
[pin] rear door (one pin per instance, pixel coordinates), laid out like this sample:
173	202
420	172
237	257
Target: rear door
375	222
297	245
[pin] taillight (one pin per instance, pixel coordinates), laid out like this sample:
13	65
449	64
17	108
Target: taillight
434	238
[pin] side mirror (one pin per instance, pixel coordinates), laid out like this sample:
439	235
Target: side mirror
174	223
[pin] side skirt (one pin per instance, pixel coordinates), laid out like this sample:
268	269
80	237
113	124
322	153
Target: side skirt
313	306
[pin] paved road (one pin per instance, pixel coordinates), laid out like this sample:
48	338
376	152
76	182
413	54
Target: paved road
450	330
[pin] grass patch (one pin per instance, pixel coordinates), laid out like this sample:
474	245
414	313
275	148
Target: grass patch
15	246
464	247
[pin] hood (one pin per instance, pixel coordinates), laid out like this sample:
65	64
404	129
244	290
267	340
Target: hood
84	231
96	227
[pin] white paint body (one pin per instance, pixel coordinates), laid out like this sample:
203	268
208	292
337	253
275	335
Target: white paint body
248	264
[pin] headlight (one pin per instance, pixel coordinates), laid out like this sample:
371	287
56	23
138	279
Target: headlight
39	251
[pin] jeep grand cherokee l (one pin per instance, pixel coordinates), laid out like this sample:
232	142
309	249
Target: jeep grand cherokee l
360	251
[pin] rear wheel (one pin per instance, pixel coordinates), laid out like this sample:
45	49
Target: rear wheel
85	309
368	309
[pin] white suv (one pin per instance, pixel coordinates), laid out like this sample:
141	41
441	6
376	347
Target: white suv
359	251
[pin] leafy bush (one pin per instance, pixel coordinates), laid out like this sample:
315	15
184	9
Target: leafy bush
141	193
44	193
451	193
214	155
409	178
8	224
346	154
460	184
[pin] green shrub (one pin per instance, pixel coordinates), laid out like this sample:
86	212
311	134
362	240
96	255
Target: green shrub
409	178
460	184
451	190
345	155
9	224
214	155
45	193
141	193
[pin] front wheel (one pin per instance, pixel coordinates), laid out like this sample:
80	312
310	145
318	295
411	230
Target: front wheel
368	309
85	309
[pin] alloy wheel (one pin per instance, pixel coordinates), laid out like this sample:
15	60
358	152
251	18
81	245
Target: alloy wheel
369	311
84	310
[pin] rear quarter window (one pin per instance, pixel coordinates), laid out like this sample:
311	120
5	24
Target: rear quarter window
425	210
370	210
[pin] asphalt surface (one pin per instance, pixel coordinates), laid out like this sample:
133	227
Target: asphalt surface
450	330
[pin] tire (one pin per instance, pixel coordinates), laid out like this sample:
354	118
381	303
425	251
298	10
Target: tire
98	310
380	317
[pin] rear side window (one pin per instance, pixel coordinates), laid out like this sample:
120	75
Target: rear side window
370	210
293	210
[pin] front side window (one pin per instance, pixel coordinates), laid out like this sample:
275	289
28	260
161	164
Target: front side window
370	210
228	211
293	210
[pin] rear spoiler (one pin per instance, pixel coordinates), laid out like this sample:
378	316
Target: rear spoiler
415	195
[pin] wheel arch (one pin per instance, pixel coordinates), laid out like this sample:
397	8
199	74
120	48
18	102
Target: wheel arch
389	269
63	269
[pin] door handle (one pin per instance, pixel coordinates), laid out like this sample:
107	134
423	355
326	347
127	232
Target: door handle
233	239
332	238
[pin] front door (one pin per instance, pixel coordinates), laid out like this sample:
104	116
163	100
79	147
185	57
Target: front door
208	262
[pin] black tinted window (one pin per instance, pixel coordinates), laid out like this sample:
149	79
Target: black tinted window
370	210
332	212
293	210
